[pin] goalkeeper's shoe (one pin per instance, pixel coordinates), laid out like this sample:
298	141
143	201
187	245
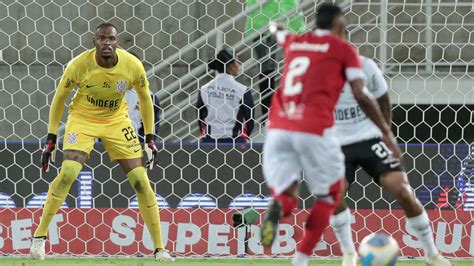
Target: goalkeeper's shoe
269	227
349	259
37	249
162	255
438	260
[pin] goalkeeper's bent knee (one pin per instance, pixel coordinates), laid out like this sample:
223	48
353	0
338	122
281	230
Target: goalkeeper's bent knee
67	175
139	180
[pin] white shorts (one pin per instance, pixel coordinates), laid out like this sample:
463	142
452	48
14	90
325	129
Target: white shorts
287	153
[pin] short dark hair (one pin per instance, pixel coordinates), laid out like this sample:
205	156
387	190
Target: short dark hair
325	15
224	57
105	25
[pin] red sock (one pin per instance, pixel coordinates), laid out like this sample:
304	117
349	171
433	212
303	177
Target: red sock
288	203
318	220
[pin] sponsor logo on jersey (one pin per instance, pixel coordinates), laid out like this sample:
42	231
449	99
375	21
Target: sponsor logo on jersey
112	104
349	113
69	82
121	86
129	146
221	93
71	138
142	81
293	111
106	85
309	47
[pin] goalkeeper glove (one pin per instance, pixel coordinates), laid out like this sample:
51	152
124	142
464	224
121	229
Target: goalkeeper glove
49	152
151	151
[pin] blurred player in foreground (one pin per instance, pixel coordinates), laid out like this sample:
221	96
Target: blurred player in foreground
134	113
301	125
102	75
362	146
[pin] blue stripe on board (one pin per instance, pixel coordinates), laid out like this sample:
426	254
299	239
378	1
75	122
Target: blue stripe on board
187	143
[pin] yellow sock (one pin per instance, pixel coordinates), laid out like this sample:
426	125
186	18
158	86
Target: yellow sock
57	193
147	204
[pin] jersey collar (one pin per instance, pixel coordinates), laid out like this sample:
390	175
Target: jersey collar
320	32
225	75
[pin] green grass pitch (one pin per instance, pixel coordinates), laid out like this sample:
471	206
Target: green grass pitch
19	261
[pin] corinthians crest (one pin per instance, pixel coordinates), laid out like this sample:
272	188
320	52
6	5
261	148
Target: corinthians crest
71	138
121	86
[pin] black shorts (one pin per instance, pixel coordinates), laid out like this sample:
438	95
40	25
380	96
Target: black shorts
373	156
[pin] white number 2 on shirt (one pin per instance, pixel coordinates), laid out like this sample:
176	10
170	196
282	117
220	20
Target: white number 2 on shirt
297	67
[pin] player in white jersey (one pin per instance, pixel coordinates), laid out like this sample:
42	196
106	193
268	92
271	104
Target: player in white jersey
362	146
133	104
134	112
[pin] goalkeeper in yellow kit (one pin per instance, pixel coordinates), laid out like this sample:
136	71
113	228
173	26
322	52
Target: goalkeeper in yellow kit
98	110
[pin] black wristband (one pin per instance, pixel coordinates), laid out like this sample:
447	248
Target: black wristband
52	138
149	138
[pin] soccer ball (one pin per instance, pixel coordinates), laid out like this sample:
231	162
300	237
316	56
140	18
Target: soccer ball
378	249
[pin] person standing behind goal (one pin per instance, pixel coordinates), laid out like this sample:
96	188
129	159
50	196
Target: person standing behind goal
362	146
301	134
98	110
224	105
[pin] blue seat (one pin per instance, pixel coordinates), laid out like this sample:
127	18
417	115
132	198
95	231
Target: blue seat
84	190
249	200
38	201
6	201
198	200
162	203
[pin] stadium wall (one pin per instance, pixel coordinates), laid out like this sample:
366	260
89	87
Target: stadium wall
209	232
221	172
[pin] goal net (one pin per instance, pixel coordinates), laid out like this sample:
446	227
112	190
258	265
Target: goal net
423	47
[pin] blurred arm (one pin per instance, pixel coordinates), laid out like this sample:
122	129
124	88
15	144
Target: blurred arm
368	104
156	108
146	105
278	32
247	112
202	113
378	87
385	107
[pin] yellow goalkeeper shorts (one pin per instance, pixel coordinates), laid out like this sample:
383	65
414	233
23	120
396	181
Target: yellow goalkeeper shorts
118	137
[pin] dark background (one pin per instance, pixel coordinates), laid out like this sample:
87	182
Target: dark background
436	139
433	123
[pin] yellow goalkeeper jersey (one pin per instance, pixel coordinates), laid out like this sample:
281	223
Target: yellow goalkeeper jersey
100	91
